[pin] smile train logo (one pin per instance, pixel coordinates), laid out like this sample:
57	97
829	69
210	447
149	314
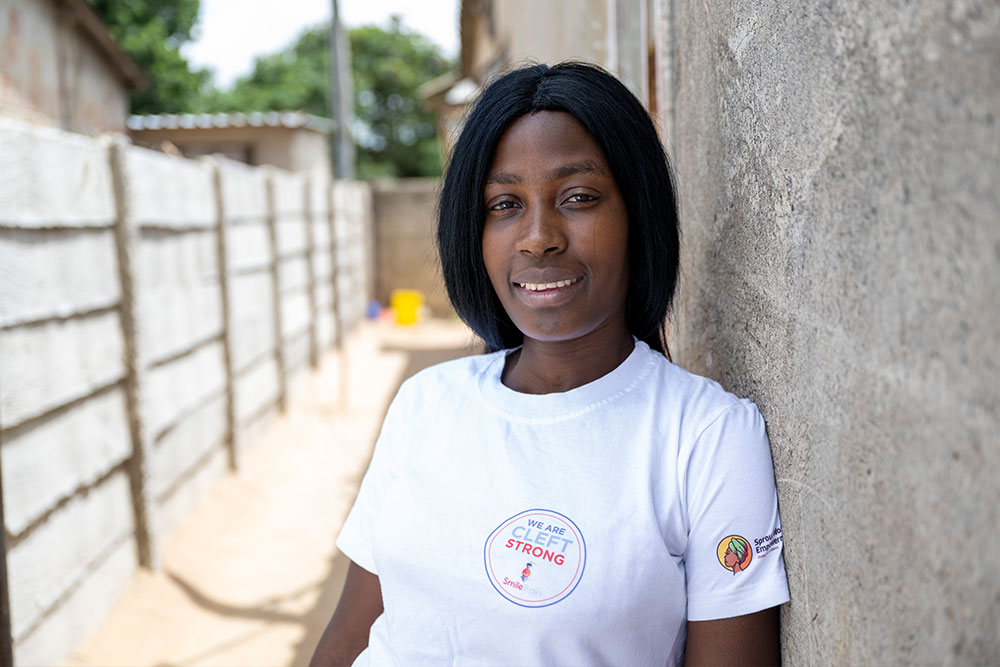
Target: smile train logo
535	558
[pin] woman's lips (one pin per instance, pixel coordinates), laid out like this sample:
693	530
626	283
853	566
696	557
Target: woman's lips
548	294
543	287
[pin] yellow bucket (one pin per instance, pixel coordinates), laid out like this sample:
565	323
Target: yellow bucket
406	303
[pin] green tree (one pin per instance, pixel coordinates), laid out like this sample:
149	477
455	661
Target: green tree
395	136
152	32
295	78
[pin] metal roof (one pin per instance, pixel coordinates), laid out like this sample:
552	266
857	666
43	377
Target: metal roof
190	121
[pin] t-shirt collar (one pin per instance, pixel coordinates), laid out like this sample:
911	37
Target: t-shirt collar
566	404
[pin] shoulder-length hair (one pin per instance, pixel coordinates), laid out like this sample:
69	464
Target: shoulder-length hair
624	131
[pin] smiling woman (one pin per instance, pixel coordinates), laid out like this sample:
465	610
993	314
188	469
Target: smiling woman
627	147
555	244
584	494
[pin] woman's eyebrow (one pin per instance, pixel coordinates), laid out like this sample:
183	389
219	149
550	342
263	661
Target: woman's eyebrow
504	178
583	167
564	171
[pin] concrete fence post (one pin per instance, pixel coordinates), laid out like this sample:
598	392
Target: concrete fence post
232	432
338	302
368	232
275	262
337	309
140	461
311	271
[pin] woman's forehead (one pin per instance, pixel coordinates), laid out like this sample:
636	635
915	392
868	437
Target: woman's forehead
552	143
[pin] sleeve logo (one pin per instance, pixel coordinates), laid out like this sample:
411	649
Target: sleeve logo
734	553
535	558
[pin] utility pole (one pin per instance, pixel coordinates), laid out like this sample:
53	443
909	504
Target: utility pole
341	99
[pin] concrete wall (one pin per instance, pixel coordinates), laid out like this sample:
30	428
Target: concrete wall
51	74
839	167
63	418
406	252
615	34
154	313
524	30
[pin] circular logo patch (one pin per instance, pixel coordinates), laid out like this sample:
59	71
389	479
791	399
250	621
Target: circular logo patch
535	558
734	553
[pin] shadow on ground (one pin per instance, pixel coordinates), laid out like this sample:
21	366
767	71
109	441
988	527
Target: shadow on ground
314	622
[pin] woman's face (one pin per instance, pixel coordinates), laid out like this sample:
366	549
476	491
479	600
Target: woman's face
555	239
731	559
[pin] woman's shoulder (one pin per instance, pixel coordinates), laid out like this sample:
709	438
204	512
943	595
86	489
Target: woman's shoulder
436	391
694	393
454	374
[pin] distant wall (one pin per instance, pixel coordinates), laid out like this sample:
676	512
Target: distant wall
839	167
155	312
406	257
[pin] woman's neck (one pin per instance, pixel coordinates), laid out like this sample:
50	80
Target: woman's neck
545	367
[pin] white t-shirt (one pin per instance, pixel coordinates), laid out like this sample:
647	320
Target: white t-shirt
575	528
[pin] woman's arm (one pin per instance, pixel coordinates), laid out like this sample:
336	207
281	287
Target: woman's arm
346	636
741	640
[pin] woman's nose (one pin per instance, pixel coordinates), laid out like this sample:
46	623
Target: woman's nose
542	232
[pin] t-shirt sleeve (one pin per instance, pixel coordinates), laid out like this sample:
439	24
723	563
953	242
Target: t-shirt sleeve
733	560
357	537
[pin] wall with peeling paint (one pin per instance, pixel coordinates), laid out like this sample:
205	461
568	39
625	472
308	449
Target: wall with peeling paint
839	169
51	74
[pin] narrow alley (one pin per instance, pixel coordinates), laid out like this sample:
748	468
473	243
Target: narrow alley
252	577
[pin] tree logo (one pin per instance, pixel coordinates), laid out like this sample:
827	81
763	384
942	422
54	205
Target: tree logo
734	553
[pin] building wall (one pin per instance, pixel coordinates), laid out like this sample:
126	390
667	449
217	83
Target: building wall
287	148
310	152
618	35
294	149
50	74
838	168
155	312
406	257
524	30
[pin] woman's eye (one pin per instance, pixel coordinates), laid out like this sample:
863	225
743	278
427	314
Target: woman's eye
503	206
580	198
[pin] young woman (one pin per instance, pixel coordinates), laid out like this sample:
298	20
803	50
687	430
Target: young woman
572	497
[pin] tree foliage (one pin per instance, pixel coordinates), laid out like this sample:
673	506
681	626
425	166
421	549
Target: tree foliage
152	32
395	136
295	78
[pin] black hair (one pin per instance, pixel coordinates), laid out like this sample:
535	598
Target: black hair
624	131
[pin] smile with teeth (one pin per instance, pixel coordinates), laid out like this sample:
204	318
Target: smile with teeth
538	287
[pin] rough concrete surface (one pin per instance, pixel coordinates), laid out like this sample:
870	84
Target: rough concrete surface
252	576
405	217
839	167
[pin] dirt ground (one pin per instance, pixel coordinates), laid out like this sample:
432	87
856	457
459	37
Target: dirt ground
252	576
